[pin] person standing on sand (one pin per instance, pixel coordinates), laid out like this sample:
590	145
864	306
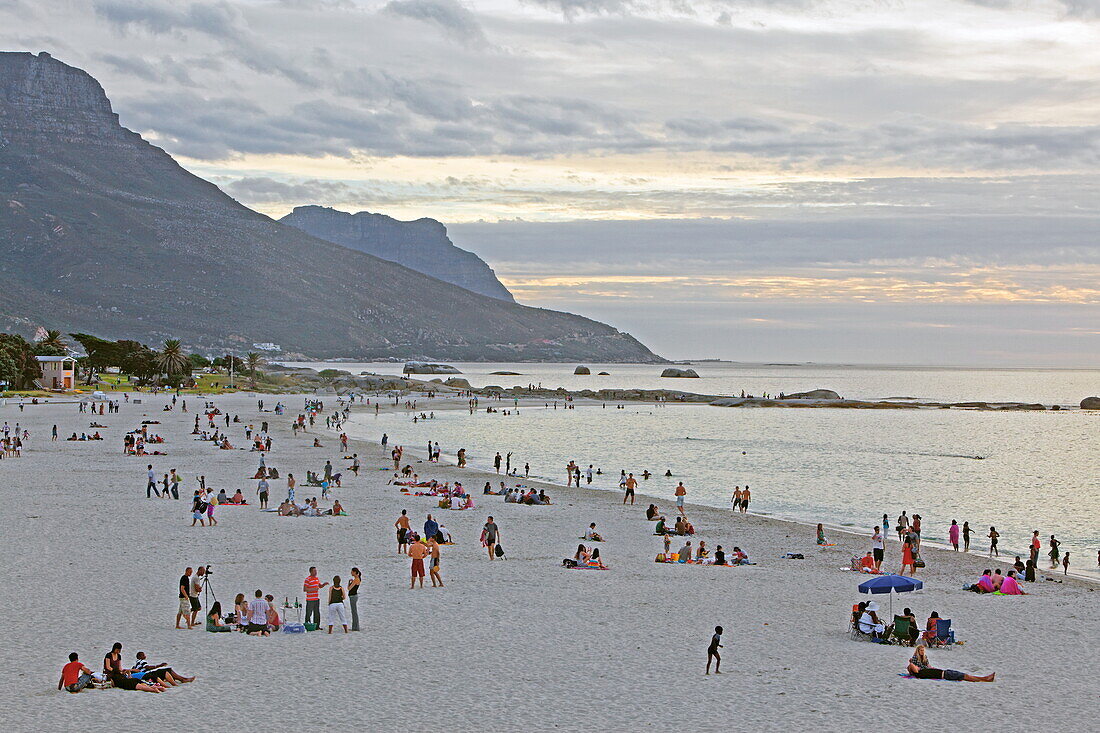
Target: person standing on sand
433	563
290	484
681	492
878	548
195	591
712	651
402	525
966	536
184	612
631	484
953	535
417	551
903	525
312	588
490	535
261	489
354	582
151	482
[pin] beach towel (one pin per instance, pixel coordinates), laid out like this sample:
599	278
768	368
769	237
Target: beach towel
908	676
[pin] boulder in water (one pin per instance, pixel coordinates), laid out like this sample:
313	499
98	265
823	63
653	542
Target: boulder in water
423	367
582	370
604	374
1090	403
680	373
505	374
814	394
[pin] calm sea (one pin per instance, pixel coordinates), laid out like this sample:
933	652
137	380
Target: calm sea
1018	471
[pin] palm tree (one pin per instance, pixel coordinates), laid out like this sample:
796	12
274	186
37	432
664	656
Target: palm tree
252	360
171	360
53	340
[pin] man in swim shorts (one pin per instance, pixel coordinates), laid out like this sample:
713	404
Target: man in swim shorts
681	492
417	551
630	485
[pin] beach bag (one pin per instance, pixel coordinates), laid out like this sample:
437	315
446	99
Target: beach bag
311	626
918	562
294	628
499	551
660	557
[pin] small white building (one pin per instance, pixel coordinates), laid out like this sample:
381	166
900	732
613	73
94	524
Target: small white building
58	372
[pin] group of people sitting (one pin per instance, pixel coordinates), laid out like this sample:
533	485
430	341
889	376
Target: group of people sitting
133	444
141	676
237	498
310	509
1007	585
701	555
585	557
530	497
85	436
682	527
257	617
866	564
904	629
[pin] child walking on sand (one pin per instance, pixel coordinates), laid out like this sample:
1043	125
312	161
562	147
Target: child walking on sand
712	651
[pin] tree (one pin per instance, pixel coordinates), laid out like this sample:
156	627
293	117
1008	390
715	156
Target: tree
198	361
18	367
252	361
52	344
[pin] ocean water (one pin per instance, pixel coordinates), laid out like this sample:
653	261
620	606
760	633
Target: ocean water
1017	471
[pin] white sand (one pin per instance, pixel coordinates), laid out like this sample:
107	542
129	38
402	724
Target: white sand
521	644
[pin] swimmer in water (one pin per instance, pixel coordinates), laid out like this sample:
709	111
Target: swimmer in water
668	473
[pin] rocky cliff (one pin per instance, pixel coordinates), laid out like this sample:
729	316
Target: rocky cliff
421	245
104	233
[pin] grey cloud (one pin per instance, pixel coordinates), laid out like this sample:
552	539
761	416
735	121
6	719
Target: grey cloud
264	189
218	19
449	15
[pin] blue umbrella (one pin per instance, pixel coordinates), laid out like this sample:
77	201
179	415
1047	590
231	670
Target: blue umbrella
890	584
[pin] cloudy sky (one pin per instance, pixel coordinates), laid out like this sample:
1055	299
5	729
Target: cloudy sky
877	181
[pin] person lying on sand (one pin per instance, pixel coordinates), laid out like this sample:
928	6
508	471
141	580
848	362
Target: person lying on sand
157	672
919	667
121	678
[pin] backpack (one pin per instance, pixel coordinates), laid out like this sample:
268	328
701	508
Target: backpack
499	551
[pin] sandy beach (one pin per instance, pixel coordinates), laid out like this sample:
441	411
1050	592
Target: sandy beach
509	645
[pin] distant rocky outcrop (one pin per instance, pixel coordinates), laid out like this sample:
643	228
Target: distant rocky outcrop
582	370
421	367
505	374
104	233
680	373
814	394
604	374
421	245
1090	403
458	383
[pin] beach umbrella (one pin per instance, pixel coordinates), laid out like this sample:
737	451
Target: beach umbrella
890	584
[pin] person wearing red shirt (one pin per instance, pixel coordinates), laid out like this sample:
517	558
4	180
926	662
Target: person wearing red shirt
74	675
312	588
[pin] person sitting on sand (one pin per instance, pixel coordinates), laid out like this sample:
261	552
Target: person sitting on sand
738	557
583	555
595	560
681	526
544	498
223	498
997	580
317	443
1010	587
214	619
337	510
121	678
984	585
238	498
867	563
821	535
869	622
161	672
685	552
592	535
719	556
1019	565
702	551
240	611
919	667
74	675
651	514
660	527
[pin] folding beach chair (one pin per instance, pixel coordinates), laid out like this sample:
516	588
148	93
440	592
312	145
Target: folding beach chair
902	631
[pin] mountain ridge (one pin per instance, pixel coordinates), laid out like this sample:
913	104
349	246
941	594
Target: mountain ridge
103	232
421	244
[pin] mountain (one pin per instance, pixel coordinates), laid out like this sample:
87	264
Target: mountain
421	245
104	233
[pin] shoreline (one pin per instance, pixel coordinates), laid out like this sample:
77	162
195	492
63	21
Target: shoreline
852	530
